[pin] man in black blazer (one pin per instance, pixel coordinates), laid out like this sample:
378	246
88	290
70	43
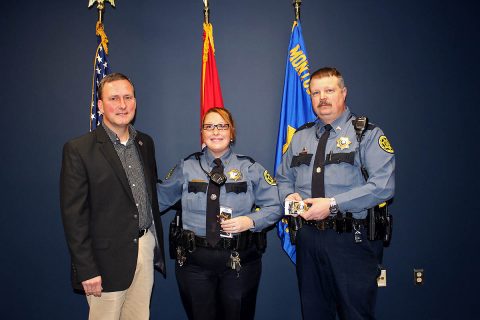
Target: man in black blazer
110	210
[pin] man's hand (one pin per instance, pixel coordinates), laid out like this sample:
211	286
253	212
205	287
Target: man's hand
236	225
93	286
319	210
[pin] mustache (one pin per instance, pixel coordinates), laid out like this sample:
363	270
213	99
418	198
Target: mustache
324	103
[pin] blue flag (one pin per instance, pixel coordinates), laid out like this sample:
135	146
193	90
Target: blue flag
100	70
296	111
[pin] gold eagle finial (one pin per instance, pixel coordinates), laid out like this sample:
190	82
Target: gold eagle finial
100	3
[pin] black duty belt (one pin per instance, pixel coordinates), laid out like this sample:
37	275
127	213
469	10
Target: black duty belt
239	242
340	225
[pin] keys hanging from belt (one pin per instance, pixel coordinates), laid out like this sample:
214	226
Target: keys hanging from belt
234	262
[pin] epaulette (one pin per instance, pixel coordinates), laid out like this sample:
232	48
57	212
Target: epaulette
195	154
306	125
240	156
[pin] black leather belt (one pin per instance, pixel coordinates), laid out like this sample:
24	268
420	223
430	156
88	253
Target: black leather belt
339	225
142	232
239	242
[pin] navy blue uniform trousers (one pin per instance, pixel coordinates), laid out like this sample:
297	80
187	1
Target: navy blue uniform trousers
210	290
337	275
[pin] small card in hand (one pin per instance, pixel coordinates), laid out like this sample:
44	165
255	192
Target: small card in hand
293	208
225	214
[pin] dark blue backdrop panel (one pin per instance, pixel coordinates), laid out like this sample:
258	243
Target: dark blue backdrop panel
411	66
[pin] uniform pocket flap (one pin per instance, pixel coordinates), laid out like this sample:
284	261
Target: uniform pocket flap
302	158
196	187
237	187
336	158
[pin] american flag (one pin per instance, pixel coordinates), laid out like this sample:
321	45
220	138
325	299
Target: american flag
100	70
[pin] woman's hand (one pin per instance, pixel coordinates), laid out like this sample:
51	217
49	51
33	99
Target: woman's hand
237	225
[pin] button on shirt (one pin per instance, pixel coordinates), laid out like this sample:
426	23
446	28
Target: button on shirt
343	177
246	185
133	167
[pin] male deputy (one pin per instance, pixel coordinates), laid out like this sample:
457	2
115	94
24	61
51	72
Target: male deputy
336	268
110	209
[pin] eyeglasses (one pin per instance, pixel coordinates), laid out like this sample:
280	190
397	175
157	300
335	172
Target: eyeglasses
219	126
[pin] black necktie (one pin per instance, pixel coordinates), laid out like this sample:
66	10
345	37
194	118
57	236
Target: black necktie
318	184
213	206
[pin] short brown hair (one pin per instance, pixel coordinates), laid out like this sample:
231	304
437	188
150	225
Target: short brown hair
328	72
110	78
227	116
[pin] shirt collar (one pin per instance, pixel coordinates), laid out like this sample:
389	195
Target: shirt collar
209	156
132	133
337	125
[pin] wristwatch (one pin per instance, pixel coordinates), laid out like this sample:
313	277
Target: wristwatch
333	206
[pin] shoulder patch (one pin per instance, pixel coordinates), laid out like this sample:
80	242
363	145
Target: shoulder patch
195	154
305	126
169	174
385	144
239	156
269	179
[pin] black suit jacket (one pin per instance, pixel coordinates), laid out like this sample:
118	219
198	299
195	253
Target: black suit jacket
99	213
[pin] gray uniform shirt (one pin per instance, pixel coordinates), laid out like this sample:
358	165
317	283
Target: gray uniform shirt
342	176
248	184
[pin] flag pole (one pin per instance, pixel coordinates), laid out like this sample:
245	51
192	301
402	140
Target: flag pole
296	4
296	111
206	11
210	91
100	64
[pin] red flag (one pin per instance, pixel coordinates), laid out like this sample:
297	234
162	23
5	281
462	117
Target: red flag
210	92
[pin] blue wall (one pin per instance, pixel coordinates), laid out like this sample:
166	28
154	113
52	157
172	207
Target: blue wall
411	66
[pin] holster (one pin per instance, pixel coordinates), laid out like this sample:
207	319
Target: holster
380	225
260	241
174	236
187	241
294	224
175	230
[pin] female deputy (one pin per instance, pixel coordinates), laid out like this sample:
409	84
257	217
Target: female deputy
218	276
